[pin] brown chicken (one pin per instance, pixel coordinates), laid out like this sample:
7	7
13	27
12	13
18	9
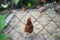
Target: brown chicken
29	26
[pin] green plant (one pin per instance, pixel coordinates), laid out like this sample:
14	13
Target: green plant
8	4
2	25
5	5
3	36
59	1
15	1
29	5
2	22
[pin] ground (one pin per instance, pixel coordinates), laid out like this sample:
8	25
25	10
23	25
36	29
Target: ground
46	25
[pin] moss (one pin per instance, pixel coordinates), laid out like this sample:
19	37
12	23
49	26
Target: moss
56	36
47	30
56	10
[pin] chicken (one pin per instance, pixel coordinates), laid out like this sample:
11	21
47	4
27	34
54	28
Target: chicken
28	26
43	1
24	8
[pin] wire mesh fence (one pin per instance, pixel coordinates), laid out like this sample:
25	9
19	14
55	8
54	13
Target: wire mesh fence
46	25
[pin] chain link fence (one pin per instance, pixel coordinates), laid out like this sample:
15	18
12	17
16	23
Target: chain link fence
46	25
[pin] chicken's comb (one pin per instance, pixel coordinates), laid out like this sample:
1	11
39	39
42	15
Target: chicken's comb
29	18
